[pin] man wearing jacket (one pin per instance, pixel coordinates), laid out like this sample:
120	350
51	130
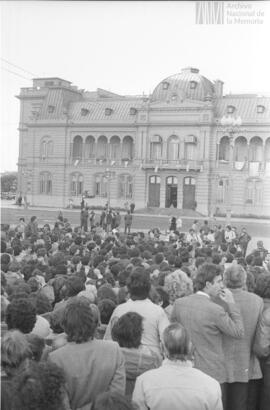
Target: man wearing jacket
207	322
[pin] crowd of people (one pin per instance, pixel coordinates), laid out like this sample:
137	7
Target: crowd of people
95	317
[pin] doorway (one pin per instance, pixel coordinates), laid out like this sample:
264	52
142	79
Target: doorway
171	192
154	191
189	193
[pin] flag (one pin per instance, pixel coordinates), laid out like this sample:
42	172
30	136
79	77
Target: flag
126	163
156	168
113	162
76	163
187	167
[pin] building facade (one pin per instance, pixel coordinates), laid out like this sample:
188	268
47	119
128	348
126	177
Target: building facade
186	146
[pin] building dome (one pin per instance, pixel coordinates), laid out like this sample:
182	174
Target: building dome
188	84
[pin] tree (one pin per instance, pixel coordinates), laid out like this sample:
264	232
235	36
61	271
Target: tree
9	182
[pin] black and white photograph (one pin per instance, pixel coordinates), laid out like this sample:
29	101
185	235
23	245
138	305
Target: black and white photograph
135	205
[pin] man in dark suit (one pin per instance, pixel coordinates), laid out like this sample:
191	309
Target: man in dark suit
207	321
242	366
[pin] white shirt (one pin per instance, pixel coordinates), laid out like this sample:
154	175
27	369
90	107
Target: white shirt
177	385
155	321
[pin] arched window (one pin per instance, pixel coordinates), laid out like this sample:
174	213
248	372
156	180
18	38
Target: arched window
267	150
115	147
45	183
254	192
127	148
222	190
156	147
102	147
90	147
224	149
190	147
101	185
125	186
46	147
171	181
76	184
77	147
173	148
256	149
240	149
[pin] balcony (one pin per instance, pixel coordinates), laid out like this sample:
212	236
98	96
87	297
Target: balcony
88	162
179	165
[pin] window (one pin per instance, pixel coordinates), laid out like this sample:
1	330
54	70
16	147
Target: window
76	188
267	150
45	183
240	149
51	109
256	149
102	147
230	109
127	148
125	186
84	112
46	148
254	192
224	149
173	148
190	151
115	147
189	181
49	83
260	109
165	85
156	147
77	147
154	179
132	111
193	85
101	185
222	190
108	111
171	181
90	147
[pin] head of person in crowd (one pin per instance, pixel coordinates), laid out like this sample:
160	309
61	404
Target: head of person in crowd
40	386
262	287
209	279
37	346
178	285
21	315
127	330
106	292
72	286
78	321
235	277
113	401
176	343
15	352
139	284
106	308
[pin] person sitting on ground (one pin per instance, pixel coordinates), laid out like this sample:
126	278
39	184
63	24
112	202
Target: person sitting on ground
127	332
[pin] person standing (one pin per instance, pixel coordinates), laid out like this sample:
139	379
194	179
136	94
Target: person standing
128	222
92	219
207	322
132	207
242	366
176	384
243	240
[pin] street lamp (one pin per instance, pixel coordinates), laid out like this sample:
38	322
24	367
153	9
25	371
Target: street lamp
231	125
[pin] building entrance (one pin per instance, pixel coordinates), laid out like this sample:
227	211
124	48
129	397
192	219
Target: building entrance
189	193
171	192
154	191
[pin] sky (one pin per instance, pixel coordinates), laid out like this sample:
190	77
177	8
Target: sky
125	47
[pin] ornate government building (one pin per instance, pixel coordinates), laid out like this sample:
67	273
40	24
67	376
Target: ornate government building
186	145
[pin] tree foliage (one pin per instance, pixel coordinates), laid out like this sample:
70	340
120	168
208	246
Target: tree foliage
9	182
